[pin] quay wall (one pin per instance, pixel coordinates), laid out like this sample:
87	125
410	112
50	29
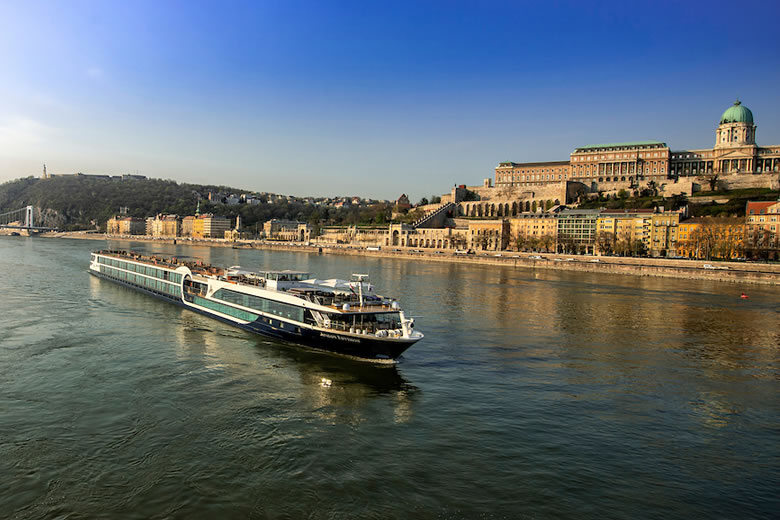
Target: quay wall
753	273
733	272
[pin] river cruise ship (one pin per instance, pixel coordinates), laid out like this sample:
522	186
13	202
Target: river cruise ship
337	316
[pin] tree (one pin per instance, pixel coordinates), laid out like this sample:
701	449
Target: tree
547	242
712	180
653	187
605	243
679	200
624	244
423	202
435	199
521	241
459	241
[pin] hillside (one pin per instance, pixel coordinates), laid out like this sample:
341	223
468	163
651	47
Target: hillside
87	202
729	203
77	202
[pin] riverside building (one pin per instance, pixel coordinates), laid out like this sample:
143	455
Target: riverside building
763	229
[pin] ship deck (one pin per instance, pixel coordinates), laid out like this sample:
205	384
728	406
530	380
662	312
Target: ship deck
331	300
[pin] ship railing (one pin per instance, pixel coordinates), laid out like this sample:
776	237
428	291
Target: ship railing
338	301
370	328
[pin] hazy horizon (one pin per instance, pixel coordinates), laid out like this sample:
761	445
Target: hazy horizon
368	99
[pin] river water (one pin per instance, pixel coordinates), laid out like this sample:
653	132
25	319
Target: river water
534	395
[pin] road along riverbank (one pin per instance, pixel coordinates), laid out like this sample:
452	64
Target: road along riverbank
733	272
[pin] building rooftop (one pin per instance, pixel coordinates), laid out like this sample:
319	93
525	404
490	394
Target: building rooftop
627	211
629	144
532	164
574	212
759	207
737	113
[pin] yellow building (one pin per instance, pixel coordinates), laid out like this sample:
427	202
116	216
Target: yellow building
165	226
126	226
663	233
488	235
625	232
197	227
763	229
711	237
210	226
534	231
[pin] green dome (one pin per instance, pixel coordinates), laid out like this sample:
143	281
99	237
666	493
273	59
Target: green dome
737	114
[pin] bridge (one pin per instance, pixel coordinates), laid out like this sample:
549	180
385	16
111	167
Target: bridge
21	219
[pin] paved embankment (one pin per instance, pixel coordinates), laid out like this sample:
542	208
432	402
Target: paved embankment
737	272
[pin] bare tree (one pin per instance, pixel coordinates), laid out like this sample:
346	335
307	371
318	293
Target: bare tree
547	242
605	242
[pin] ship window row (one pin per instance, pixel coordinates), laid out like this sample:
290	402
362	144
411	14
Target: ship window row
142	281
224	309
162	274
284	310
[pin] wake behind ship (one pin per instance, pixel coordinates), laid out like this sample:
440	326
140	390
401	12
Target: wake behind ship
335	316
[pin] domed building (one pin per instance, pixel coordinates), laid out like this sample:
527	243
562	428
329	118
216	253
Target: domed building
611	167
736	127
735	149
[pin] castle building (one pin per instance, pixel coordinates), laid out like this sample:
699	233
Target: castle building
735	149
629	164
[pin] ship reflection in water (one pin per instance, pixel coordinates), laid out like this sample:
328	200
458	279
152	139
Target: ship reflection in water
334	388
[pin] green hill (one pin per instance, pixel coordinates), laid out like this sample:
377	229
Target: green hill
78	202
86	202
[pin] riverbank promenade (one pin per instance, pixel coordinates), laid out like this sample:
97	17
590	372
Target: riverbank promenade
730	272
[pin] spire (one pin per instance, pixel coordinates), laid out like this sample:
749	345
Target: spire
197	210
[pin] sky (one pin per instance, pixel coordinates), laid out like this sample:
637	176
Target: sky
375	99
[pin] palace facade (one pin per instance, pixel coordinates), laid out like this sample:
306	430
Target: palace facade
604	167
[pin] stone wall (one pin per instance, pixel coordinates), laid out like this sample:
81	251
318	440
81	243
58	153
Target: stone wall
743	181
503	201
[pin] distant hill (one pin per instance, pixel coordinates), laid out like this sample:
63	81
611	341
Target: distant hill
87	202
75	202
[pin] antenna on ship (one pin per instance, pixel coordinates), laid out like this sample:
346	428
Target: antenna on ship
359	279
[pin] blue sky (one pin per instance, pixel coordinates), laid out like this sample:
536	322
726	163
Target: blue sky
368	98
